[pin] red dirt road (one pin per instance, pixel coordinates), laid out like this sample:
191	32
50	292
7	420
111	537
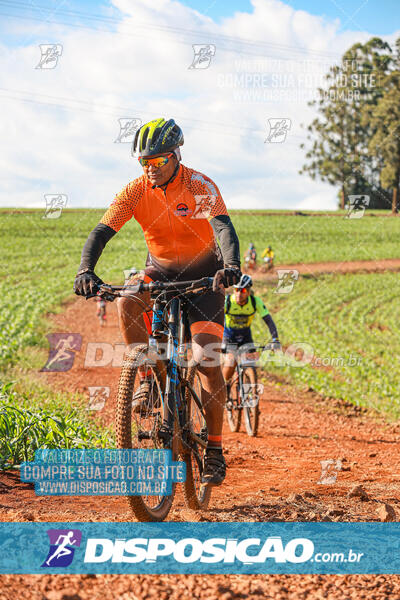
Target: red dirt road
270	478
310	269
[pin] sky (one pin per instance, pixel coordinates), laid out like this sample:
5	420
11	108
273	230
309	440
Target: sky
116	64
366	15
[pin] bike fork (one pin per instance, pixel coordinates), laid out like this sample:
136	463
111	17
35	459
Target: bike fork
240	378
171	382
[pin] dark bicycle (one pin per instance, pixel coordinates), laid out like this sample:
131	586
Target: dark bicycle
172	416
244	392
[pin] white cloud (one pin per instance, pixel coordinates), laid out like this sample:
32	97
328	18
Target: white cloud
58	134
326	199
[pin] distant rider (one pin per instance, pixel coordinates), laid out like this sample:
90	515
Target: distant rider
240	309
250	256
268	256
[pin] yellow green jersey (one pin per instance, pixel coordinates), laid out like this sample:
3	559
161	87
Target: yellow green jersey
241	316
268	253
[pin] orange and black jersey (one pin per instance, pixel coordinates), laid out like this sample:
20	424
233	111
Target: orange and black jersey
180	225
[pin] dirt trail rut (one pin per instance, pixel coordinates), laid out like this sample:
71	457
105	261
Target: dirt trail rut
273	477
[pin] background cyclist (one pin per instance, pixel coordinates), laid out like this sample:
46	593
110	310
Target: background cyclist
250	257
268	256
240	309
101	309
182	214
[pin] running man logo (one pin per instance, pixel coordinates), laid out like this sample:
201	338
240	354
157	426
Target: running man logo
252	394
63	347
286	280
278	130
356	206
50	54
128	126
329	471
54	205
204	206
63	543
203	54
98	396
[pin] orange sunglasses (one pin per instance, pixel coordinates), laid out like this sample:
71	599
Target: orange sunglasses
158	161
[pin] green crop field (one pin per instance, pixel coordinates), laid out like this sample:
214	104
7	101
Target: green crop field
337	315
319	238
40	259
349	327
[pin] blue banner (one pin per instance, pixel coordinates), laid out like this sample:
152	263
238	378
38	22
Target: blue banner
103	472
203	548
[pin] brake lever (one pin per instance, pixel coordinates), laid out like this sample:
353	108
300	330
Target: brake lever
104	292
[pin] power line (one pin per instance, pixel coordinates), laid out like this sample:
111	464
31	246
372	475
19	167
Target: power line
88	106
18	4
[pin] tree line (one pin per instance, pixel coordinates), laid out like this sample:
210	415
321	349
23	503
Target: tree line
354	142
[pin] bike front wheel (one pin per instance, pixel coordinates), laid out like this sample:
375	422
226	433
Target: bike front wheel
139	429
251	409
196	495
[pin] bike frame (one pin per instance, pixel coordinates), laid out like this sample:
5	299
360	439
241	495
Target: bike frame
176	348
240	368
177	326
171	392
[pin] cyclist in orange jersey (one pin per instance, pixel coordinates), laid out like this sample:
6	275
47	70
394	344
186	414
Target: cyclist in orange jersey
182	215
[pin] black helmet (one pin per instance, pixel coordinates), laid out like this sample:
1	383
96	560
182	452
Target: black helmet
245	282
157	137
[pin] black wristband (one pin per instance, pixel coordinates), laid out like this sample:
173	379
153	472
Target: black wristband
86	270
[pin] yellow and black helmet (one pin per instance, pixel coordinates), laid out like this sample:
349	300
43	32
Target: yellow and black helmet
157	137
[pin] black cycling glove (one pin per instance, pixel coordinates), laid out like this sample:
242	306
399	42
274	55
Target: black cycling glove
275	346
227	276
87	283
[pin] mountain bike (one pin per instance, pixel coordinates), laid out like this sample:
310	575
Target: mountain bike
244	392
249	264
268	265
101	315
100	310
173	416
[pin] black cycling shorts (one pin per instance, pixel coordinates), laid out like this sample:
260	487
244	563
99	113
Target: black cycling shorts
205	313
234	339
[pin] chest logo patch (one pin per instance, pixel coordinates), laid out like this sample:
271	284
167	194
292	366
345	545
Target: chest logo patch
182	210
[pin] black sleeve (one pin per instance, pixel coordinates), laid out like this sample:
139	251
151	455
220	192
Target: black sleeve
94	245
225	233
271	326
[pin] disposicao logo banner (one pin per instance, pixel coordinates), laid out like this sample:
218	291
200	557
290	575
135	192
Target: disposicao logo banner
204	548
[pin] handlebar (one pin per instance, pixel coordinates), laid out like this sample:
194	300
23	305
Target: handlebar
261	347
124	291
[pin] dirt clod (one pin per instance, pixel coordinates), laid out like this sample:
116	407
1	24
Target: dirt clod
386	513
295	498
358	491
